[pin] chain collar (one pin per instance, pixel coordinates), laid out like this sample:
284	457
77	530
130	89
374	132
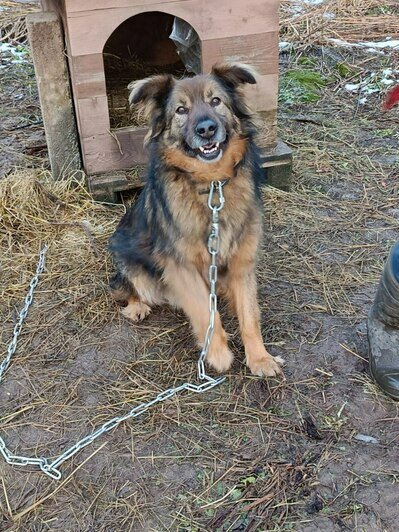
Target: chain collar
208	190
51	468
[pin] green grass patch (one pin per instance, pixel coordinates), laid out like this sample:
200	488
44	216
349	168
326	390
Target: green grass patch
301	86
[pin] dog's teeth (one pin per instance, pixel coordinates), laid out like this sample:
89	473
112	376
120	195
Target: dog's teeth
212	149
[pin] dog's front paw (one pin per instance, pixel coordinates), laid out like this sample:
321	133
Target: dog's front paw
136	311
264	365
219	357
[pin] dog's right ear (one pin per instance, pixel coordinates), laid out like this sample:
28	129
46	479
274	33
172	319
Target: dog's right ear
150	95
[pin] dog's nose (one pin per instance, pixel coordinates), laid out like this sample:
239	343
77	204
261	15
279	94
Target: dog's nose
206	128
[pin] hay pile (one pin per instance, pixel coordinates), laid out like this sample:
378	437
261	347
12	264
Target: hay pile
34	210
349	20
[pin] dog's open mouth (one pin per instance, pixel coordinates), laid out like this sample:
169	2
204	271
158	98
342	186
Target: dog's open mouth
209	152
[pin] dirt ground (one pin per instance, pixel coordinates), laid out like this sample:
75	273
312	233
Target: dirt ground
252	454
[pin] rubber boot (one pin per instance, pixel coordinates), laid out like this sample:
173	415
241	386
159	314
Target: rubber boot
383	328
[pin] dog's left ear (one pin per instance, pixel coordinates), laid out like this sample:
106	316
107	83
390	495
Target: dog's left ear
149	95
234	74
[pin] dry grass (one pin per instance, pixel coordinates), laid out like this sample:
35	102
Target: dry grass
350	20
34	210
12	20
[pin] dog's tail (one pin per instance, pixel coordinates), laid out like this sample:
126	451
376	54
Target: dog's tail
121	288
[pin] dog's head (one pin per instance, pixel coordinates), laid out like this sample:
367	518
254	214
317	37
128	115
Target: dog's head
199	115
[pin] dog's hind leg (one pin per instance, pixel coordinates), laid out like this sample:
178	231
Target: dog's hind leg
186	289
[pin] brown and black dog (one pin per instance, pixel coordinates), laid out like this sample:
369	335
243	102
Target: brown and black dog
200	130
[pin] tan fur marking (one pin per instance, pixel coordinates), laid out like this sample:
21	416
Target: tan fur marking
148	290
203	171
188	291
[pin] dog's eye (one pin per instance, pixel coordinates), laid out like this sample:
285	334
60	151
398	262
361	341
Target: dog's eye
182	110
216	101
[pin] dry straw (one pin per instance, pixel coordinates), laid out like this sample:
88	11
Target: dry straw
12	20
34	209
350	20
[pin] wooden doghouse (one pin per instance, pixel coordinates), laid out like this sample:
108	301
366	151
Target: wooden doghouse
111	42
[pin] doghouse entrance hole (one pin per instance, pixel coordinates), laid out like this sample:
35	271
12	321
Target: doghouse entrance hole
138	48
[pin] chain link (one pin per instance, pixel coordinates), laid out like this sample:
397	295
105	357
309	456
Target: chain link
51	468
24	311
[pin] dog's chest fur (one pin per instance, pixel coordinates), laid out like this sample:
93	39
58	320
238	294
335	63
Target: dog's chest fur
240	217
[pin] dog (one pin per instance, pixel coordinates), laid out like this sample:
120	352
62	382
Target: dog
201	130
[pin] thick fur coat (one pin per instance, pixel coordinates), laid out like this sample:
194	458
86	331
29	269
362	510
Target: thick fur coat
201	131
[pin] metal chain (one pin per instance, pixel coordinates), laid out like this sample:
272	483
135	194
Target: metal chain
24	311
213	248
51	468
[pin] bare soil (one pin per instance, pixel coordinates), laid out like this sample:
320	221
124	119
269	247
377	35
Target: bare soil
252	454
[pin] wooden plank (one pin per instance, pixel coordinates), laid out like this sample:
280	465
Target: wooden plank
90	28
277	164
76	6
279	154
259	50
107	186
263	96
93	116
117	150
88	76
47	45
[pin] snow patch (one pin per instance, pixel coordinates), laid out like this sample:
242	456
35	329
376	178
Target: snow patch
370	46
285	46
13	54
373	83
